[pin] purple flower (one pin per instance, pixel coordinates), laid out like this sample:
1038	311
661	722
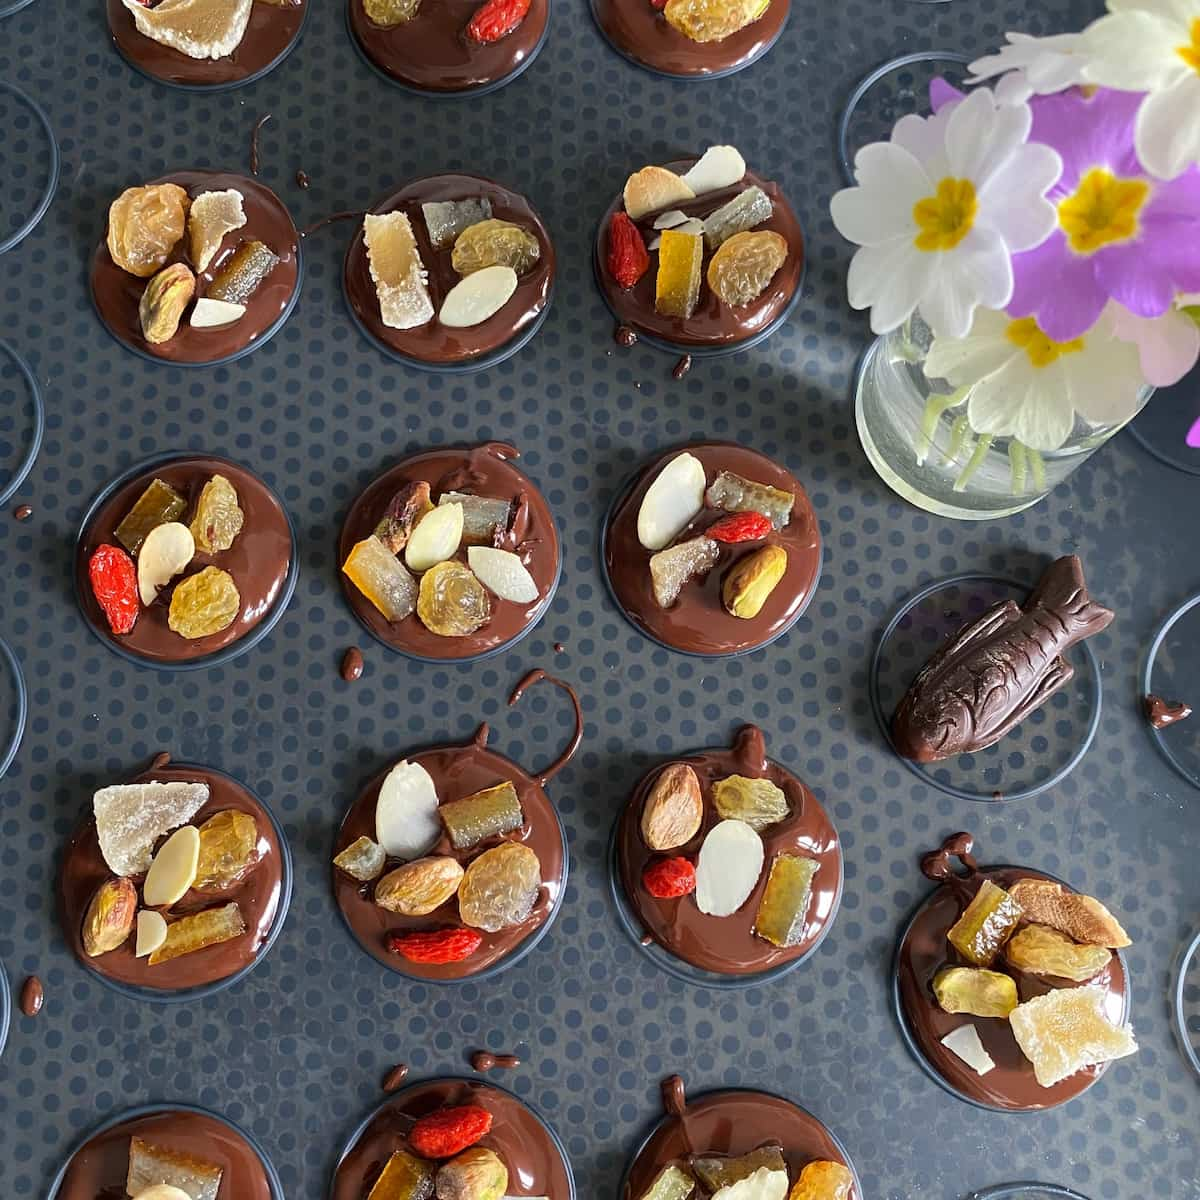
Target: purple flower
1122	234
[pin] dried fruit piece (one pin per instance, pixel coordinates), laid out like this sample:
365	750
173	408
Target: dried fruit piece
199	931
718	167
628	260
763	1184
495	243
739	527
381	577
404	1177
752	580
451	601
735	494
677	286
669	878
436	537
243	273
401	281
671	502
151	932
212	314
713	20
965	1042
144	226
150	1164
758	802
718	1171
205	603
406	813
503	573
1066	1030
228	850
476	1174
450	1131
671	569
173	869
1040	950
500	887
654	187
212	216
482	515
743	266
108	921
114	584
436	946
489	813
218	518
198	28
389	13
408	506
161	307
166	551
363	859
671	1183
747	209
446	219
986	924
1080	917
479	296
823	1180
730	863
131	817
496	19
674	808
784	904
157	505
976	991
418	887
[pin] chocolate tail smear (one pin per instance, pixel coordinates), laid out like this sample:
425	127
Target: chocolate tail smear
1062	592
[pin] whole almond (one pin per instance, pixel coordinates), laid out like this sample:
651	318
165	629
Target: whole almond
417	888
109	917
674	808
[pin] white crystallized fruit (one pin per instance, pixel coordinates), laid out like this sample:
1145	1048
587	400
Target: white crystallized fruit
502	572
211	217
401	281
481	295
406	813
728	869
131	817
198	28
173	870
671	502
437	536
1066	1030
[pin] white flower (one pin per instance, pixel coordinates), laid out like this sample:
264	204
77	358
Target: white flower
940	210
1153	46
1168	346
1032	66
1025	386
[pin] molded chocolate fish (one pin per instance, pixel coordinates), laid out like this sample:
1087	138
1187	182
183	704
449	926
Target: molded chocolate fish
995	671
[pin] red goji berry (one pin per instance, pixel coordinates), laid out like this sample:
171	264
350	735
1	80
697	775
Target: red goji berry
669	878
496	19
627	257
449	1131
739	527
114	584
436	945
658	4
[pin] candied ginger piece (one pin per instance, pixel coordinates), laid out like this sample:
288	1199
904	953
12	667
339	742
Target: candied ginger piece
382	578
823	1180
718	1171
198	28
203	604
363	859
218	518
131	817
404	1177
401	281
712	20
732	493
500	887
1066	1030
747	209
485	814
243	273
677	286
973	990
763	1184
671	569
781	912
745	264
758	802
446	219
199	930
159	504
482	516
388	13
495	243
229	849
150	1165
986	924
213	215
1040	950
967	1044
144	226
451	602
671	1183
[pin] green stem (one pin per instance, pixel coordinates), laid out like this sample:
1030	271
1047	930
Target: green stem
1019	464
974	462
935	406
960	431
1039	470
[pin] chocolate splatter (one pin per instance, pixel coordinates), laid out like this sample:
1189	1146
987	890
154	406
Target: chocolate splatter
625	336
23	513
302	180
159	761
559	648
254	142
682	367
485	1060
1161	713
33	996
352	664
395	1077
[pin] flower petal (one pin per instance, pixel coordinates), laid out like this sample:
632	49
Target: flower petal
891	181
1134	50
1024	403
1168	129
978	272
1168	346
925	139
1057	287
1013	201
1104	381
890	280
981	137
965	361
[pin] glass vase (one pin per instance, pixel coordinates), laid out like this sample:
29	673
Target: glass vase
917	434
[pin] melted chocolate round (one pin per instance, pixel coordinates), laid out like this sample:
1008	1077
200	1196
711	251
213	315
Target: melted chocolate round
535	1158
714	326
697	623
924	950
640	32
116	293
457	771
99	1166
732	1123
434	343
728	945
486	470
262	896
262	560
271	34
431	53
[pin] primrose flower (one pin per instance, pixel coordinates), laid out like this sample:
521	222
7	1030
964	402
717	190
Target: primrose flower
1032	66
1153	47
1121	234
940	210
1168	346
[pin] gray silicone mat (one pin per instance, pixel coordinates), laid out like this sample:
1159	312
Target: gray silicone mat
295	1052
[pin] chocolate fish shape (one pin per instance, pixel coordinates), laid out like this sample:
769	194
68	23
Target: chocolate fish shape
998	669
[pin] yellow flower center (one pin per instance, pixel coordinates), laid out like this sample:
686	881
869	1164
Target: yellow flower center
1191	53
946	217
1039	349
1103	209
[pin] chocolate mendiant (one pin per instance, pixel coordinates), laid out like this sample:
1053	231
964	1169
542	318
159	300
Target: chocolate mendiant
485	1060
395	1077
33	996
1162	713
352	664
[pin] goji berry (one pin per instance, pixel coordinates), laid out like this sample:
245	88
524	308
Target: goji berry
437	945
669	877
449	1131
658	4
114	584
739	527
627	257
496	19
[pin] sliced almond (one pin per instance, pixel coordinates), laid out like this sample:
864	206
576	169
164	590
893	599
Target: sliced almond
211	314
502	572
151	933
687	225
727	871
166	551
406	813
670	220
173	870
480	295
162	1191
671	502
718	167
436	537
652	188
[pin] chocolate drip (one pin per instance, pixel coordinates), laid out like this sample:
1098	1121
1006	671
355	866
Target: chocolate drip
352	664
254	142
348	215
1162	713
33	996
395	1077
750	750
302	180
936	865
159	762
625	336
485	1060
565	757
23	513
674	1096
682	367
474	472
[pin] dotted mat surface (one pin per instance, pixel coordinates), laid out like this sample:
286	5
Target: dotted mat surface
296	1051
